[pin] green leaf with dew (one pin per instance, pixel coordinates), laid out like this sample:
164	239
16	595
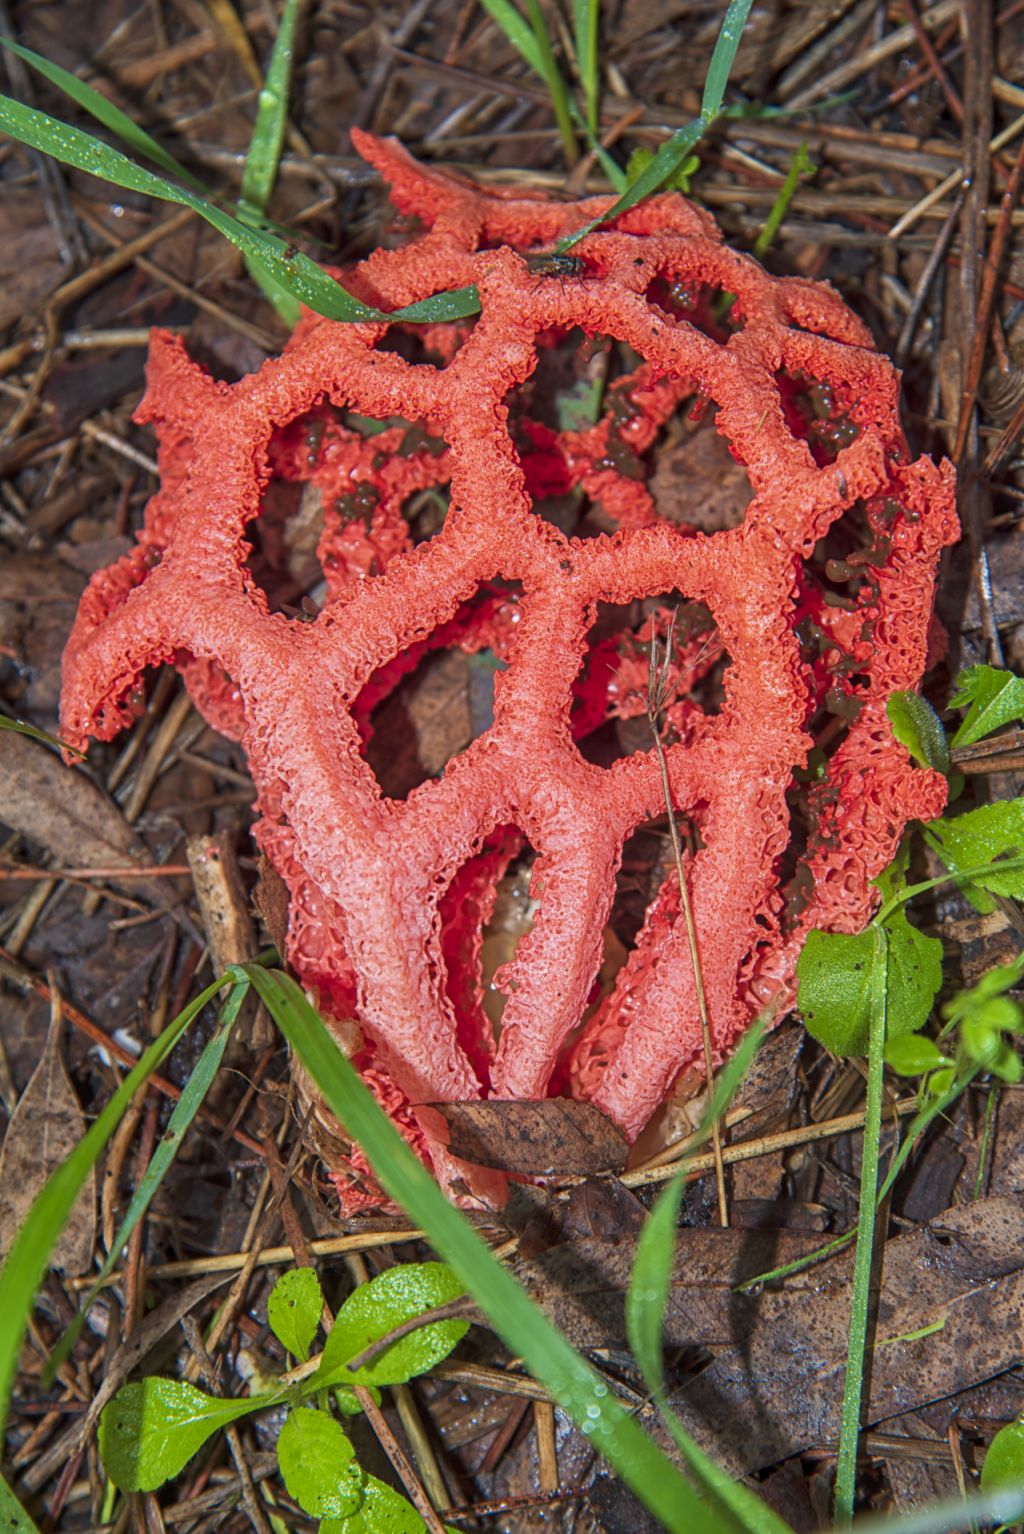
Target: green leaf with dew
992	698
378	1307
264	154
641	157
294	1309
13	1517
913	1055
917	726
21	728
185	1109
849	1424
586	15
575	1385
672	154
914	975
293	270
105	112
382	1511
318	1464
836	973
26	1261
561	100
834	978
529	35
992	834
151	1429
1004	1460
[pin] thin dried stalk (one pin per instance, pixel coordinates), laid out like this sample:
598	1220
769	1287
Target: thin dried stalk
656	695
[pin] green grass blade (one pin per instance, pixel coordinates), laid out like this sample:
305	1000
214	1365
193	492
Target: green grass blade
517	30
456	304
13	1516
951	1515
723	58
261	162
652	1266
552	76
106	113
849	1428
586	16
670	156
26	1262
731	1497
264	154
675	150
530	37
21	728
647	1297
295	272
800	165
185	1109
575	1385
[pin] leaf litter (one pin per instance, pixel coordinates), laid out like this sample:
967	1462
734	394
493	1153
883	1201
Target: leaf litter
968	1250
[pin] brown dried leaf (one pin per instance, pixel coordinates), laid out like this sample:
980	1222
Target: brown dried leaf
698	482
551	1137
581	1284
751	1407
63	810
44	1129
29	261
423	724
270	898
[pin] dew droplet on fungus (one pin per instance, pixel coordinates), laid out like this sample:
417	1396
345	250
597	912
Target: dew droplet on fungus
371	932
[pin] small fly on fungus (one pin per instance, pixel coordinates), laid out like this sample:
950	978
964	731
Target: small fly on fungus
550	263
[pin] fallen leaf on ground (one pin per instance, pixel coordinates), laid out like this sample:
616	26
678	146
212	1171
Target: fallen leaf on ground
950	1313
61	809
555	1136
45	1127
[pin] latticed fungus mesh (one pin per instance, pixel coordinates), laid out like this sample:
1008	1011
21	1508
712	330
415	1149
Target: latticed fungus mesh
417	483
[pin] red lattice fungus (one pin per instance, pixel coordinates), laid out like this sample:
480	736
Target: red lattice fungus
426	480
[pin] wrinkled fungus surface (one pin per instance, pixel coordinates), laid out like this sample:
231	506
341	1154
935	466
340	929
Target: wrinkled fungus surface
818	593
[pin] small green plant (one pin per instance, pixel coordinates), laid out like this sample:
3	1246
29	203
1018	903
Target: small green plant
153	1427
1003	1468
978	1036
871	993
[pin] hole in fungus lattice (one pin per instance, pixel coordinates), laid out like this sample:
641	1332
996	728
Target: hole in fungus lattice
696	482
423	708
431	346
611	691
359	475
479	913
430	718
283	541
705	306
818	412
510	921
